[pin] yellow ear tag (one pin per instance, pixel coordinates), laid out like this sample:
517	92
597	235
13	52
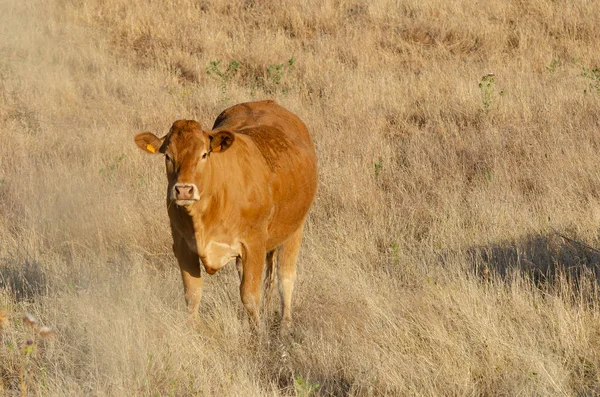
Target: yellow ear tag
150	148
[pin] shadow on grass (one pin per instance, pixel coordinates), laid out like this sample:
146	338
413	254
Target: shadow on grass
543	259
293	383
24	280
285	368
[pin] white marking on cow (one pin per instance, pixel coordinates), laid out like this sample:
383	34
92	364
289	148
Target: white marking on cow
217	255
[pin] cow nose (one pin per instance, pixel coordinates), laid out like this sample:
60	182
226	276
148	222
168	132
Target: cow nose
184	192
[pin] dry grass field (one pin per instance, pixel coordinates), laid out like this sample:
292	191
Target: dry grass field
450	247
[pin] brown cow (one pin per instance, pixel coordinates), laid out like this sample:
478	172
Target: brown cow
240	191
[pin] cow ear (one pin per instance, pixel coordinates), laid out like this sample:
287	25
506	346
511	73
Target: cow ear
220	141
148	142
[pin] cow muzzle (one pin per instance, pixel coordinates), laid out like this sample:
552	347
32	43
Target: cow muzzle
185	194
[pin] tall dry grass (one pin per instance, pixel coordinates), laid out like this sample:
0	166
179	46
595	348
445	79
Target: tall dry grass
450	248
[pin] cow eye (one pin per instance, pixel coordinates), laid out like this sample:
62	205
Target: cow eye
167	158
204	155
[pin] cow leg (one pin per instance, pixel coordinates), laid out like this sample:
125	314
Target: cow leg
189	264
286	269
270	277
253	265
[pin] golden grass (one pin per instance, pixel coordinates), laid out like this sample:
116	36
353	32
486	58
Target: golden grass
430	264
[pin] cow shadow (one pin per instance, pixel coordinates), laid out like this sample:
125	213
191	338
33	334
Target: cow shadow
24	280
284	367
541	258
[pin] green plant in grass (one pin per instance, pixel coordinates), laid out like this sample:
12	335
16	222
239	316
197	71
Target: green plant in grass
378	167
486	85
109	170
553	65
591	75
304	387
222	76
593	78
179	94
274	82
34	336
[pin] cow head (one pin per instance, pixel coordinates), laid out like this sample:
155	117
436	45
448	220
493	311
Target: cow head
187	150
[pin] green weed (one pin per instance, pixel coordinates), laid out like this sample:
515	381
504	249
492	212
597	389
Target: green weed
487	86
276	74
273	79
109	170
304	388
553	65
178	95
222	76
378	167
593	78
28	351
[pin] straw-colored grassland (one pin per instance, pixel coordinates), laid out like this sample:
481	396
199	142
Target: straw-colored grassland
450	249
